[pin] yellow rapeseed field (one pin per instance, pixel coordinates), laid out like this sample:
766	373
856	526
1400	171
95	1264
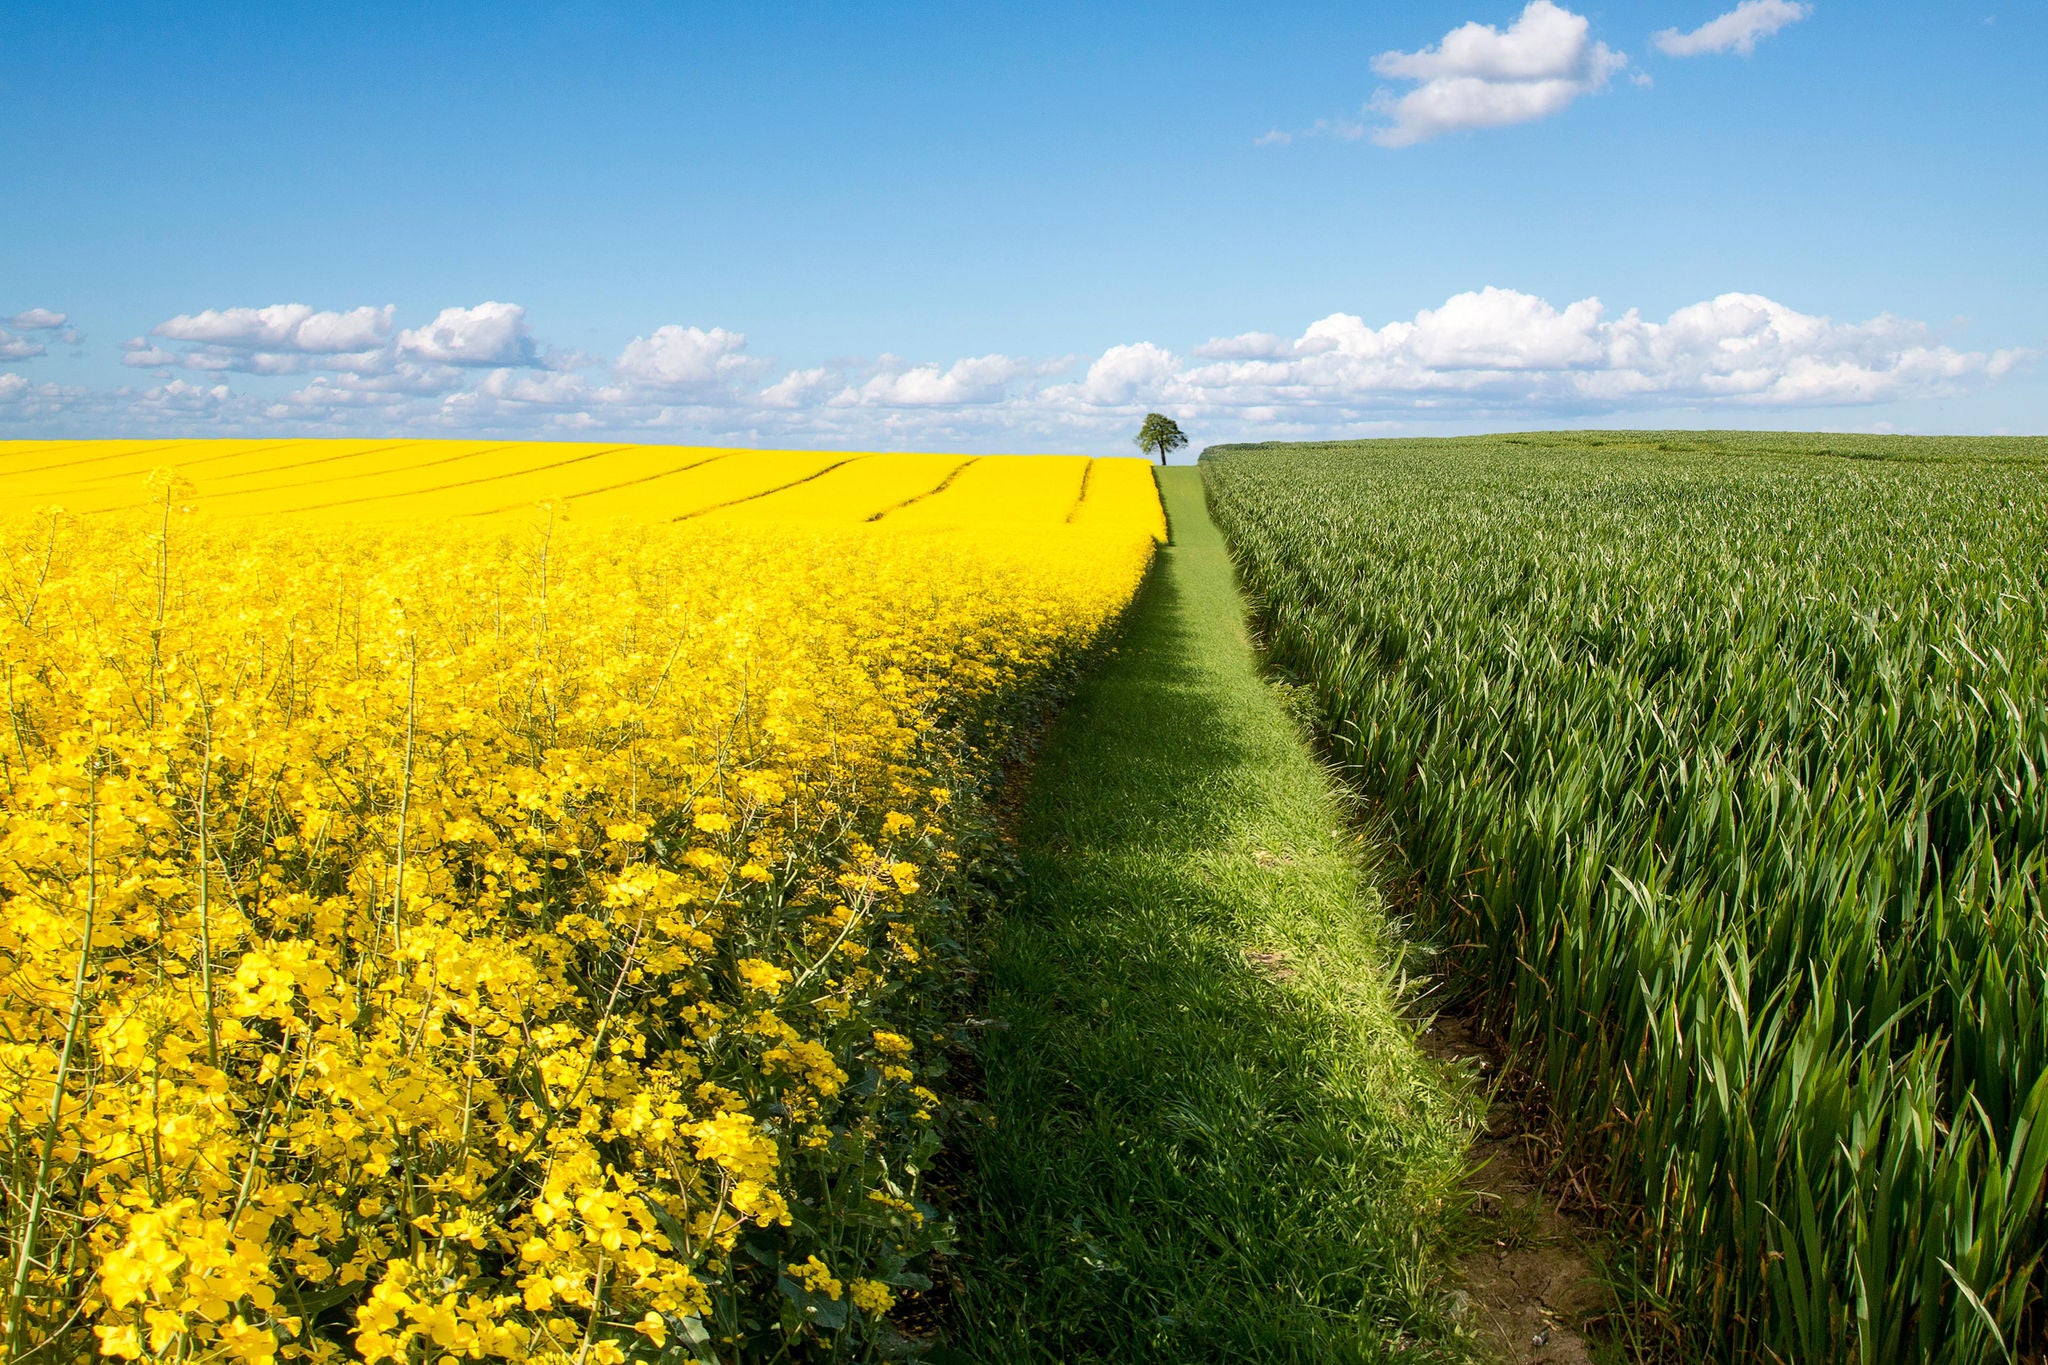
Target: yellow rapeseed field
485	901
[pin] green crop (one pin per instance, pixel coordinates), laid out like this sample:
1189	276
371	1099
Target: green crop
1721	760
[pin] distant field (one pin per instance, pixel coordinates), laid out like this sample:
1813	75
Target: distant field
367	481
1723	759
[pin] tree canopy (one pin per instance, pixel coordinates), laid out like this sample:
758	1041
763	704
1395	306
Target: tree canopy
1160	435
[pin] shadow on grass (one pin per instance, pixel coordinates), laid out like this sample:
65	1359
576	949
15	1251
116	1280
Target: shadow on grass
1191	1159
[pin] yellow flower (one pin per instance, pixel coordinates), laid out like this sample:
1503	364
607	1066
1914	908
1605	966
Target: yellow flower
814	1275
763	976
388	972
870	1296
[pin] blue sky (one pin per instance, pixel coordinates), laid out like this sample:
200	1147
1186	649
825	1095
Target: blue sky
1018	227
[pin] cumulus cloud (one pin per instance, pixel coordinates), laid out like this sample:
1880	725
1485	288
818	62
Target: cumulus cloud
799	388
295	339
184	403
556	390
283	338
282	327
1739	30
37	320
1503	350
1244	346
14	347
37	409
141	354
978	379
1483	77
686	358
1488	355
1123	374
490	334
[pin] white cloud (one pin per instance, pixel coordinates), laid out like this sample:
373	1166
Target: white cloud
140	353
1482	77
14	347
1243	346
43	407
1501	329
686	358
293	338
1489	355
799	387
395	387
1502	350
1122	374
979	379
224	359
282	327
183	400
490	334
1739	30
549	389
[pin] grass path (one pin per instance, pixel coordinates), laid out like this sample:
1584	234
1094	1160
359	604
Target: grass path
1213	1138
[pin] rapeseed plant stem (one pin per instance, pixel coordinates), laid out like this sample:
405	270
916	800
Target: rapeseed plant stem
412	687
53	1125
205	903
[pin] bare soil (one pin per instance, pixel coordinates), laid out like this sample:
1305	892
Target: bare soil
1533	1291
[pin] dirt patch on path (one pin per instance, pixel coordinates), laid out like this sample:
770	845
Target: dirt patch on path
1532	1292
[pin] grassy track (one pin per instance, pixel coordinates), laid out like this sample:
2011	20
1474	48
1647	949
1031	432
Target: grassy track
1213	1139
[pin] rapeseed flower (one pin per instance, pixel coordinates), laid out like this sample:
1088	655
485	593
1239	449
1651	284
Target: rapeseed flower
493	940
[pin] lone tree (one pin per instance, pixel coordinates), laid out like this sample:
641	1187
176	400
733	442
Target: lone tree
1160	434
